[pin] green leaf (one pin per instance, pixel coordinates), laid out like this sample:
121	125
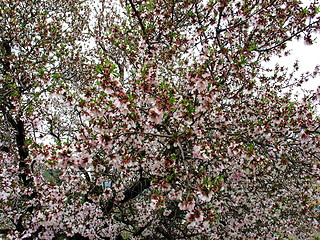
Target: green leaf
56	76
99	68
41	72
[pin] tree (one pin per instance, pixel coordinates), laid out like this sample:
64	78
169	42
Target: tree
156	120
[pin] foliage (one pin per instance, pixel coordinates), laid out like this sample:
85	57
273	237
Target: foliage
152	119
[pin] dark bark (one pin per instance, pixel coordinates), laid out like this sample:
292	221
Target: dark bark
4	231
19	131
4	149
23	152
136	189
6	50
132	192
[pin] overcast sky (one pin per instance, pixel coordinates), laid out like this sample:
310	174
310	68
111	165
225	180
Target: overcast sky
308	56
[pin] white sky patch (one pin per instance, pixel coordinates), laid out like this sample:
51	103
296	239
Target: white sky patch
308	57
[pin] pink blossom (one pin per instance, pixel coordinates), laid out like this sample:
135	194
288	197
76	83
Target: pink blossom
195	218
205	195
187	205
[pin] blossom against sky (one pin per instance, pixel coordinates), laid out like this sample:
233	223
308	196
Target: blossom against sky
307	57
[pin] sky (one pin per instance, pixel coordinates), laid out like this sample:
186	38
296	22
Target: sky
308	56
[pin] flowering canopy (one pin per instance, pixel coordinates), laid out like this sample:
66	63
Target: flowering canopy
155	119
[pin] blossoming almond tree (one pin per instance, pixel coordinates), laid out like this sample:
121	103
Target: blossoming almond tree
156	120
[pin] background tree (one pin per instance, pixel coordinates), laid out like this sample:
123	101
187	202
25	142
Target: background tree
156	120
